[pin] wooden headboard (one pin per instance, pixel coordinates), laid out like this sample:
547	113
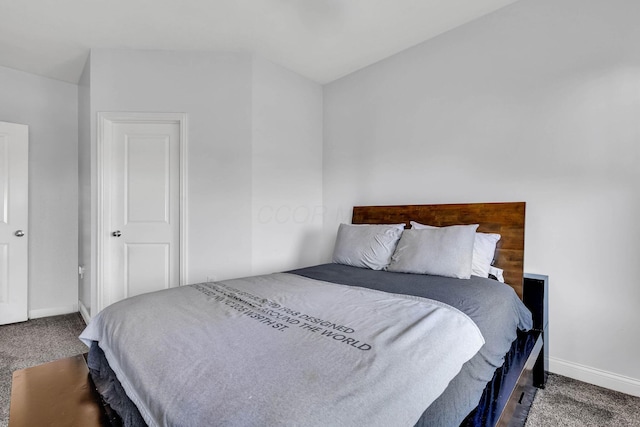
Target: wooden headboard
506	219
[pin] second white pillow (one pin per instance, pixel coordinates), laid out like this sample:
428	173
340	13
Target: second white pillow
484	248
439	251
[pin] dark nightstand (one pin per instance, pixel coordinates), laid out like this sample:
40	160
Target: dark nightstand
535	295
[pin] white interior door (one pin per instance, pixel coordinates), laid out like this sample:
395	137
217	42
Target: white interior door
142	206
14	156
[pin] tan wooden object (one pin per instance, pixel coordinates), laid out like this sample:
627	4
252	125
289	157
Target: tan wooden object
58	393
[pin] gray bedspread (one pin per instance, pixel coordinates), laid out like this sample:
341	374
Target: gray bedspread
493	306
283	350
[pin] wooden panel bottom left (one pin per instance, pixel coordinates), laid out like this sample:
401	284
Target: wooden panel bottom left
58	393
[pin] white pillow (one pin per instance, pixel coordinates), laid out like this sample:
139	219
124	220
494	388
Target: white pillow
439	251
484	248
366	245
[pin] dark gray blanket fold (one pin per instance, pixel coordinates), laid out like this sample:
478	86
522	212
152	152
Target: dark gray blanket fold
110	388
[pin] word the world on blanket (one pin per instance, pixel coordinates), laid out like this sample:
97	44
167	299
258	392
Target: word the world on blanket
277	316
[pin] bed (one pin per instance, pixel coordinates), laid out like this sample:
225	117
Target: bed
334	344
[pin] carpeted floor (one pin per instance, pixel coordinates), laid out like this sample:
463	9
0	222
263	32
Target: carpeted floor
34	342
565	402
571	403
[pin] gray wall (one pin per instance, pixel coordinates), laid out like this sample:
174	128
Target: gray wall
50	109
538	102
286	168
215	91
239	164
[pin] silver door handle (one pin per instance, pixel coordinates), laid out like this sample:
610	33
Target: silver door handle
116	233
19	233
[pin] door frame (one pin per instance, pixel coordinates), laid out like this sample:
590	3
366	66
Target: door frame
106	120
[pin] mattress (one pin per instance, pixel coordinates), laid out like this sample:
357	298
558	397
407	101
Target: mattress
475	297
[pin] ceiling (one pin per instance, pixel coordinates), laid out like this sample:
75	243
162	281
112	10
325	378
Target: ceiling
319	39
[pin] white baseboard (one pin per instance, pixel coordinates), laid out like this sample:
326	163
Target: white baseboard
84	312
595	376
53	311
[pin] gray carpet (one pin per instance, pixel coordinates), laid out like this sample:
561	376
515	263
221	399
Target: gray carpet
565	402
568	402
31	343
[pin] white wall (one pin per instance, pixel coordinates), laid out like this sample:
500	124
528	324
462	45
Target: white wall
50	109
538	102
239	164
215	92
286	169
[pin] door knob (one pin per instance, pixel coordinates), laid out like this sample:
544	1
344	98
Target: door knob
116	233
19	233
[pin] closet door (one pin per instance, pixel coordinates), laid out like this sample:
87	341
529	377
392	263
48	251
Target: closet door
142	223
14	157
